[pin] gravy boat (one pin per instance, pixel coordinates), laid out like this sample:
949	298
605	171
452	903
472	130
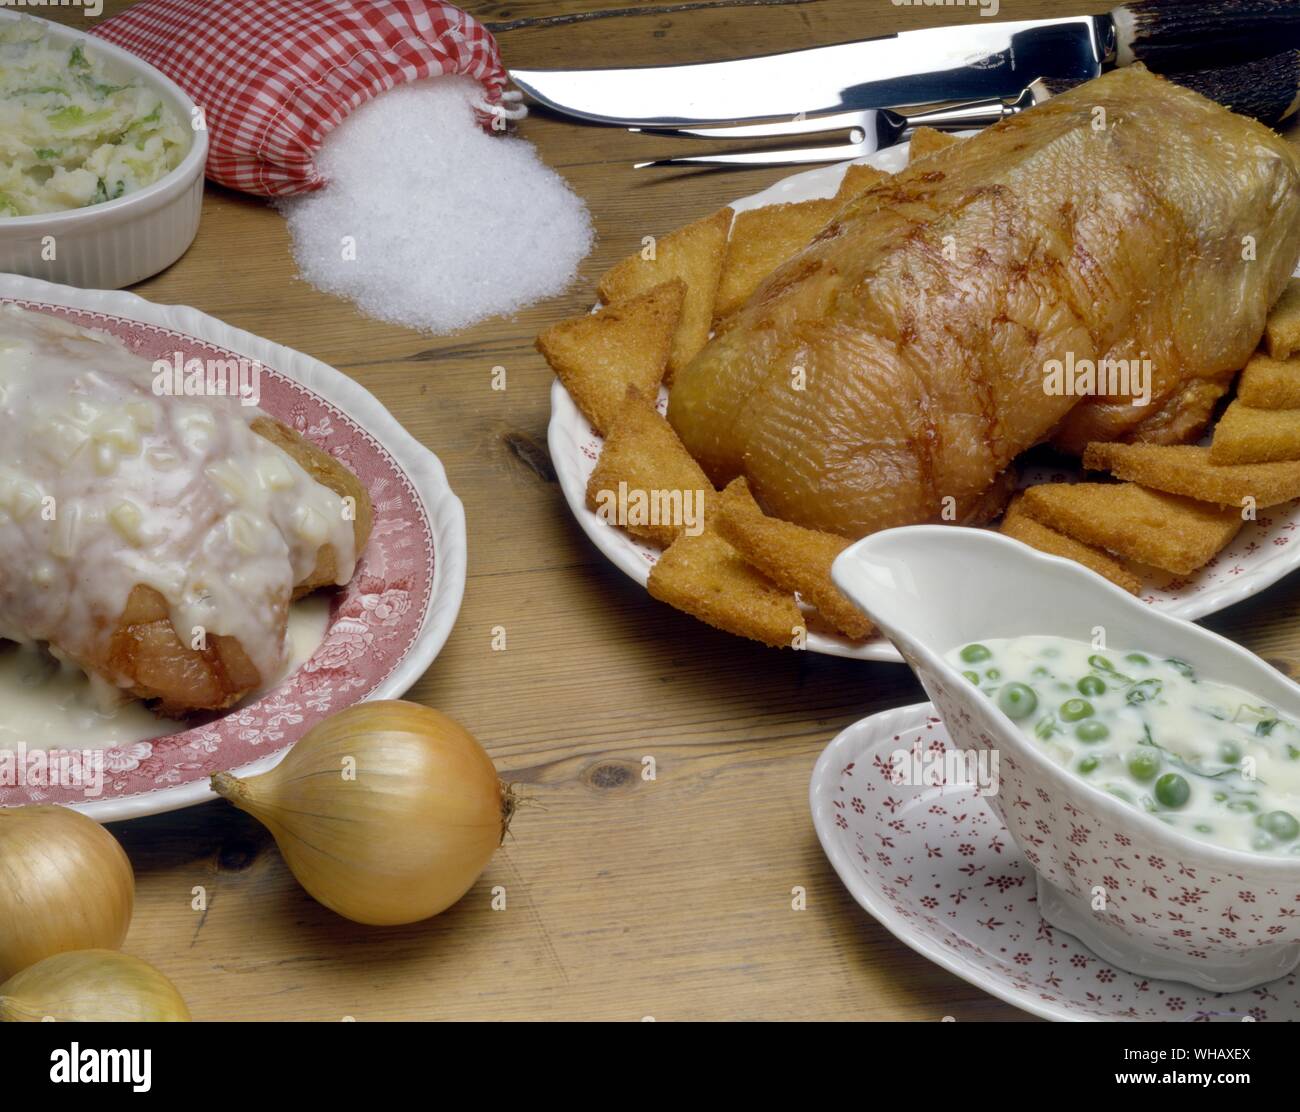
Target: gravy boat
1135	891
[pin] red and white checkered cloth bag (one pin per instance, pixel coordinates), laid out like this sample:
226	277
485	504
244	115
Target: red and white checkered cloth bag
273	78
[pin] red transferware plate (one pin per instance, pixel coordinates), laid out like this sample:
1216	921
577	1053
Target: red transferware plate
385	627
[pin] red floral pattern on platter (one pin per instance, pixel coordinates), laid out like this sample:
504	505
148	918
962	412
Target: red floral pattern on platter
373	622
940	859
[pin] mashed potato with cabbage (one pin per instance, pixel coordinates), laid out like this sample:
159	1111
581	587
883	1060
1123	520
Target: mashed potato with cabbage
73	134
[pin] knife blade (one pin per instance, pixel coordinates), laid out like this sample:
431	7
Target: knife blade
913	67
1267	89
970	62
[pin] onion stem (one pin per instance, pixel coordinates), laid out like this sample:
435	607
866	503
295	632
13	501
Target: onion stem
228	786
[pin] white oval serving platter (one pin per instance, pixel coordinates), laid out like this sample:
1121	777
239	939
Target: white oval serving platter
1262	553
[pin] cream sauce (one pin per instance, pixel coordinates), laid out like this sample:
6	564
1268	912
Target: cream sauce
48	705
105	485
1209	759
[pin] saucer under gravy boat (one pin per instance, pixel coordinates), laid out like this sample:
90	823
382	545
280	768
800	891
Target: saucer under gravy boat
931	589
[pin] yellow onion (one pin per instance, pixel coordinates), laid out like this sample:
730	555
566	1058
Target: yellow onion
91	986
386	812
65	884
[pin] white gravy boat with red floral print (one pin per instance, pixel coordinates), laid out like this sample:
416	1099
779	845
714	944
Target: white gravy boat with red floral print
1140	894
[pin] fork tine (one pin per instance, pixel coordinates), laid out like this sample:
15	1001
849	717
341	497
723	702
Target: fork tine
778	128
807	155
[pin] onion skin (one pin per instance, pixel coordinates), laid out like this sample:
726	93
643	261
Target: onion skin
65	884
402	841
91	986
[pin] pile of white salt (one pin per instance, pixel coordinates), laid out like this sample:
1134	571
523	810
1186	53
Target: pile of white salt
431	222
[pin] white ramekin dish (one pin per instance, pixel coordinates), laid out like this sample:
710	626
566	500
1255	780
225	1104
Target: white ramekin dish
114	243
1140	894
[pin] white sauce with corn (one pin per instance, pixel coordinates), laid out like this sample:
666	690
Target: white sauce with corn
1206	758
105	485
72	133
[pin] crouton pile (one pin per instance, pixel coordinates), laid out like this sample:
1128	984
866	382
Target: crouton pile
738	569
1177	506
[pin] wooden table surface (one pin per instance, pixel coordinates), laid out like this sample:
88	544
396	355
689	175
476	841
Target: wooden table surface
625	898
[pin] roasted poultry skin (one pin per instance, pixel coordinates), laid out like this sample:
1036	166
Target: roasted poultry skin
896	366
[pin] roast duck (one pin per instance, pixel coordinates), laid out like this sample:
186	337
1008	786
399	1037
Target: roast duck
896	367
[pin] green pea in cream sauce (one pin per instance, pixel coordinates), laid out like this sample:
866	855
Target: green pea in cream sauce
1205	758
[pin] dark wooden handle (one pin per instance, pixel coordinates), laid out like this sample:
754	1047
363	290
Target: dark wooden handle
1267	89
1183	35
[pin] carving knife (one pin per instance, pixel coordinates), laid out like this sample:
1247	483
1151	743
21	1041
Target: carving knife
976	61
